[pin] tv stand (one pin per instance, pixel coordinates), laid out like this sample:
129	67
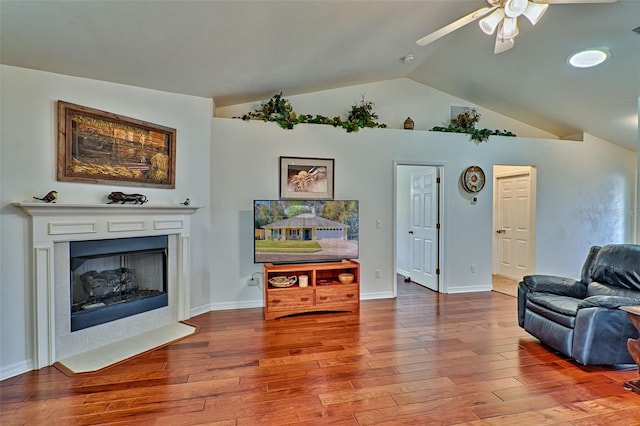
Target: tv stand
324	293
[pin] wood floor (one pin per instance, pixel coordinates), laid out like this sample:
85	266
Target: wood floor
423	358
504	285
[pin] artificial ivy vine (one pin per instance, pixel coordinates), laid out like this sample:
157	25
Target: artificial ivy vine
465	122
279	109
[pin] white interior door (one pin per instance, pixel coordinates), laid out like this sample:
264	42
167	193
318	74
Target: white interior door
514	246
423	247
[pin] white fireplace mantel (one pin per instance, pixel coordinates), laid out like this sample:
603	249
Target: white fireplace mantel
53	223
39	209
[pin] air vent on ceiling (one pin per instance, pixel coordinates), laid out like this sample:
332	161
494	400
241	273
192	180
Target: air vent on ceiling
636	30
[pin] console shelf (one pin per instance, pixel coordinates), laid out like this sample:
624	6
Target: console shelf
324	293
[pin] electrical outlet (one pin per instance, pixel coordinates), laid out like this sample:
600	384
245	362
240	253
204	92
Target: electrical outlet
253	281
473	269
378	273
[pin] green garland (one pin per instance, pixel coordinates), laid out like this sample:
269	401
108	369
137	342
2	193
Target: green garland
465	123
279	109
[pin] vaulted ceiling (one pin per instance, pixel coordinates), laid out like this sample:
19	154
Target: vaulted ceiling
241	51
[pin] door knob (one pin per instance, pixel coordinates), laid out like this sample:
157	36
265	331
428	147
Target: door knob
411	232
501	231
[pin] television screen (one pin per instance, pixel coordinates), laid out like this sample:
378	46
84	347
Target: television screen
303	231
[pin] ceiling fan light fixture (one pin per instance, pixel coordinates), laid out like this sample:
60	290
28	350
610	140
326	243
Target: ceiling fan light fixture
503	45
508	29
587	58
515	8
489	23
534	11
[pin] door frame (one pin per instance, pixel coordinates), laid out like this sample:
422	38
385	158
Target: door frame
518	170
441	280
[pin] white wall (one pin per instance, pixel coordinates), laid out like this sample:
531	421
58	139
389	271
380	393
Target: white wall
28	167
584	193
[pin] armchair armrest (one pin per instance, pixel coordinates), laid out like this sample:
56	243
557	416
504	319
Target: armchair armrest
611	302
555	285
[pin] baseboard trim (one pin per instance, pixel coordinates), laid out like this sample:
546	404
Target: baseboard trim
402	272
16	369
468	289
247	304
377	295
200	310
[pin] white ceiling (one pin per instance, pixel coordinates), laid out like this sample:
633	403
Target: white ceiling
241	51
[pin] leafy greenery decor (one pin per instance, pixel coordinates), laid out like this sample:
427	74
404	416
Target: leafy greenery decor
465	122
279	109
276	109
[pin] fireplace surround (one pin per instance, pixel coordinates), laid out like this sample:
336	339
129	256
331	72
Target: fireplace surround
55	226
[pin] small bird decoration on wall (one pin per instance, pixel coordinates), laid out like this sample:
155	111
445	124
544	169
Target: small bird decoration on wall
49	198
186	202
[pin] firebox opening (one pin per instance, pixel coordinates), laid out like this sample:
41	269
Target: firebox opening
117	278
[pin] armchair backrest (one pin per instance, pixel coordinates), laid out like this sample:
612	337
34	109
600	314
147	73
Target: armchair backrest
618	265
587	267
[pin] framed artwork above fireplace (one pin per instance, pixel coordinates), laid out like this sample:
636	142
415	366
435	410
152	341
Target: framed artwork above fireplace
96	146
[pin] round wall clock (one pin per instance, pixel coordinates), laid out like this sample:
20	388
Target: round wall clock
473	179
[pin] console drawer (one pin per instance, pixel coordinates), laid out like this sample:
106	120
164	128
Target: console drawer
337	294
285	299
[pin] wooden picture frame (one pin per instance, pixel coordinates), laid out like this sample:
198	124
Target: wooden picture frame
101	147
303	178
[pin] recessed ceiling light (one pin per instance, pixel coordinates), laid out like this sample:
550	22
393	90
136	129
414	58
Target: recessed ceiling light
588	58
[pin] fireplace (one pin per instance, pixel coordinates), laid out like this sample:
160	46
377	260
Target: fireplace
117	278
105	239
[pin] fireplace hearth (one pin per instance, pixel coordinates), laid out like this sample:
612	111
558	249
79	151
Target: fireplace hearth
116	278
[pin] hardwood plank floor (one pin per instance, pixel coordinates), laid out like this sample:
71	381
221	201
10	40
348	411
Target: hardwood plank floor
423	358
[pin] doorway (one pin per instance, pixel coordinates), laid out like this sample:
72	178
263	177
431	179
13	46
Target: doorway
514	219
417	218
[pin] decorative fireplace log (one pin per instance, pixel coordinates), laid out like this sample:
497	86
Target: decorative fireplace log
103	284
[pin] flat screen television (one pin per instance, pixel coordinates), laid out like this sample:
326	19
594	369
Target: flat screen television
305	231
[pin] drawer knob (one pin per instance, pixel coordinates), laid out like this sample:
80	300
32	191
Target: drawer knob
350	295
323	297
304	299
276	301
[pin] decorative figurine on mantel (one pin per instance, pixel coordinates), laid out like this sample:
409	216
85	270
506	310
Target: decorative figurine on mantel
49	198
121	197
186	202
408	124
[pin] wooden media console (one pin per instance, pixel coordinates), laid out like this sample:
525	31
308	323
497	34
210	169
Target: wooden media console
323	292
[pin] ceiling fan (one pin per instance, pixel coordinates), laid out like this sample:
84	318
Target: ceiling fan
502	15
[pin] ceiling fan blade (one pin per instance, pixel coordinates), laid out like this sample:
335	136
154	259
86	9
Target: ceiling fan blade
502	45
573	1
467	19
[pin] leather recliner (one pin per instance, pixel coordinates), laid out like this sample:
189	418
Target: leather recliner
581	318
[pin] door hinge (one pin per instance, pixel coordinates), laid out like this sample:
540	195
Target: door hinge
437	271
438	179
437	226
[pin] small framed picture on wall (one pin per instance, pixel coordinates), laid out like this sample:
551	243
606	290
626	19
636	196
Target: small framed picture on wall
306	178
